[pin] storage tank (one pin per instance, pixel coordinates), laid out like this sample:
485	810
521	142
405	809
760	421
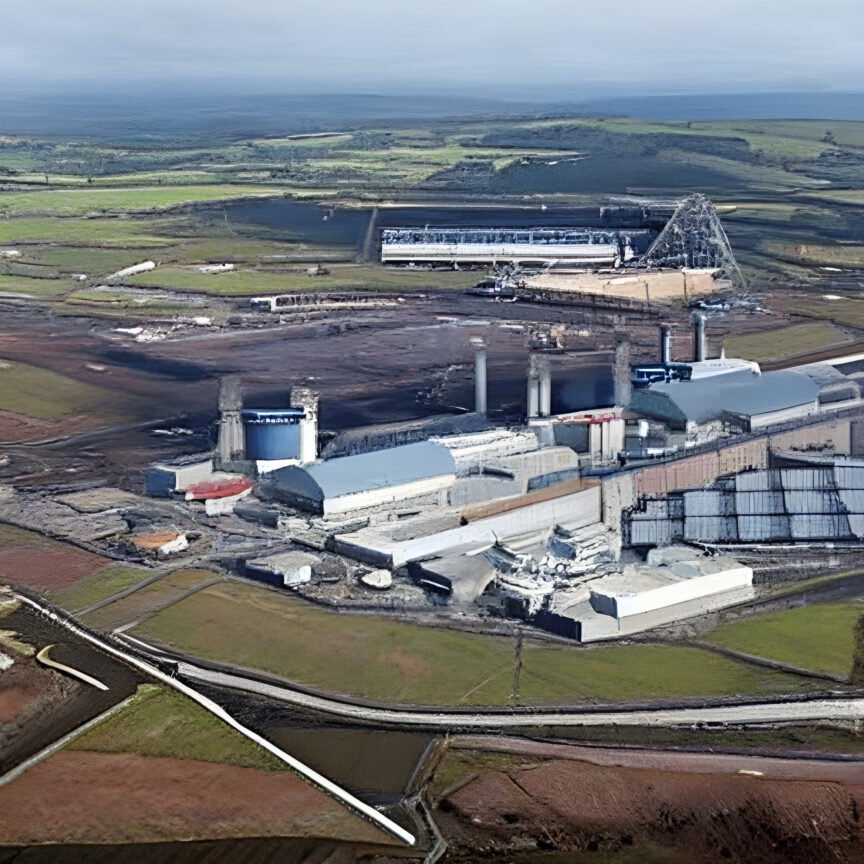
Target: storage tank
272	433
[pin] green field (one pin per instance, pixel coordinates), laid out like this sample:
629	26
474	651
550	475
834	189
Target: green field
80	202
149	600
367	277
847	311
815	637
47	395
785	342
380	658
95	232
161	722
105	582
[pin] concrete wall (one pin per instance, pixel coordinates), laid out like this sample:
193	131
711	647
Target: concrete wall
626	605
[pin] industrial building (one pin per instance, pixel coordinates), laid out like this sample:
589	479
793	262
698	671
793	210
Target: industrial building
739	400
814	500
599	247
414	475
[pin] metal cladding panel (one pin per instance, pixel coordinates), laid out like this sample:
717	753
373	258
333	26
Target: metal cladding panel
763	528
655	532
807	478
708	502
852	499
759	503
849	477
710	529
757	481
816	501
856	525
819	526
657	508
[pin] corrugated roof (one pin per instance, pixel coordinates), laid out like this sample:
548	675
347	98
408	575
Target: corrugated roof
736	392
376	470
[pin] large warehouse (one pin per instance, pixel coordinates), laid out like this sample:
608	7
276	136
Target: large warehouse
602	247
421	472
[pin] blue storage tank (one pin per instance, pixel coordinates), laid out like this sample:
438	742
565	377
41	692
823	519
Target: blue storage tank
272	433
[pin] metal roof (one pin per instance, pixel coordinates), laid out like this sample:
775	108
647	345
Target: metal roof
377	470
735	392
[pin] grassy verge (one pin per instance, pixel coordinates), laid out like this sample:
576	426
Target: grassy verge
785	342
847	310
80	202
47	395
149	600
815	637
105	582
379	658
100	232
160	722
348	277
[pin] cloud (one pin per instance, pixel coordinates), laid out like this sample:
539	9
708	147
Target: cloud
507	47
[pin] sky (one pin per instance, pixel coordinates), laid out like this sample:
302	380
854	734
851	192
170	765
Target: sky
510	49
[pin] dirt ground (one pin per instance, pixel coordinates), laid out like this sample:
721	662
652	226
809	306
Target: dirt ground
667	285
95	798
47	570
568	806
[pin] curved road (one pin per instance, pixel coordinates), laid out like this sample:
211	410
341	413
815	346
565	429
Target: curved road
849	710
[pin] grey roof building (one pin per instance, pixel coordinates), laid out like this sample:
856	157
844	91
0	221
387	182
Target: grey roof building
375	479
756	399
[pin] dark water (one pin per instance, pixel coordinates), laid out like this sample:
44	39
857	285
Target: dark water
319	223
374	764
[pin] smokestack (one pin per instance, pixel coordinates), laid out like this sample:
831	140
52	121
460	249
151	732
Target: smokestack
479	376
665	343
699	321
231	445
621	370
533	395
303	397
545	392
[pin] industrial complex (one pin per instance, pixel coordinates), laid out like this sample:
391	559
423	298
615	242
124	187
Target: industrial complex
648	507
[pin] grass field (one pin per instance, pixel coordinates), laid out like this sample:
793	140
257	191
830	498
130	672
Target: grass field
80	202
785	342
161	722
103	583
812	637
353	276
96	232
47	395
847	310
395	661
45	289
148	600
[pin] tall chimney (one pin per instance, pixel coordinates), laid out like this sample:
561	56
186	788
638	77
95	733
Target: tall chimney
621	370
479	376
699	321
231	446
303	397
533	394
665	343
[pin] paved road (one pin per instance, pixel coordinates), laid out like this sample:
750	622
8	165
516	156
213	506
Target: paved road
775	712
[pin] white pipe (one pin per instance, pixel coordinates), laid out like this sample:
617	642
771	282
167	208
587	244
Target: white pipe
480	379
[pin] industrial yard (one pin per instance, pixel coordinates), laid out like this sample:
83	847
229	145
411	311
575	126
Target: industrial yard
404	441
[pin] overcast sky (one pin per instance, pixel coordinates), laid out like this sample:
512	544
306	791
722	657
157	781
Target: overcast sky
548	49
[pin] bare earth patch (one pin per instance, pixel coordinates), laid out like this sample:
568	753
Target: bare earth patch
84	797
